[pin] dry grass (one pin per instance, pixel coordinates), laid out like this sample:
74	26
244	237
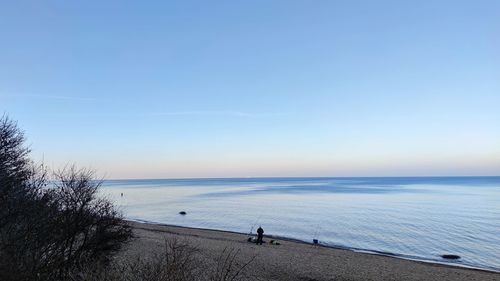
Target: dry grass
177	261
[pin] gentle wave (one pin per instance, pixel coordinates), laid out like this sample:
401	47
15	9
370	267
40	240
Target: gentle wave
413	218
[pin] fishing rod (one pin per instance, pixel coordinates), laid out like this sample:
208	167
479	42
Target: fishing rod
253	226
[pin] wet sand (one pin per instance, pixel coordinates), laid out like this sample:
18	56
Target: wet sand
293	260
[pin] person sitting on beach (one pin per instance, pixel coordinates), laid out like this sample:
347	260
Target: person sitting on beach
260	235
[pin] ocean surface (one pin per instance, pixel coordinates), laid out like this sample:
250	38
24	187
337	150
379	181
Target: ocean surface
416	218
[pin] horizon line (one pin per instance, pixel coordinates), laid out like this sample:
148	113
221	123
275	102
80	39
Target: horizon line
306	177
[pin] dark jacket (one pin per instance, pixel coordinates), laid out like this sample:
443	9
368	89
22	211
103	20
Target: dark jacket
260	231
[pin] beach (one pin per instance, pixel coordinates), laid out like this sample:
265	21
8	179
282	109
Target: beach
419	218
295	260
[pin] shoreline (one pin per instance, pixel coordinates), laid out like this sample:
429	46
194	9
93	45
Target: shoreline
354	250
324	259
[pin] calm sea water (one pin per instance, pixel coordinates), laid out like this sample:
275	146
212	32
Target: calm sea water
416	218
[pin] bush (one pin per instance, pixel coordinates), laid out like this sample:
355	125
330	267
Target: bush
227	268
49	228
177	261
20	202
87	227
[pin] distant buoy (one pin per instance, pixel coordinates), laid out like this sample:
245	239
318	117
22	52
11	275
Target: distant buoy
182	213
450	257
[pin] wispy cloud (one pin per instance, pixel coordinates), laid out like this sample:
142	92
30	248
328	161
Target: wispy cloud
241	114
52	97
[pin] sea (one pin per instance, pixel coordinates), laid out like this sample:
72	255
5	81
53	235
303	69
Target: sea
419	218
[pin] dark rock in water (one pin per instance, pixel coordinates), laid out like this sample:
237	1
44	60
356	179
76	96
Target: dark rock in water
450	257
182	213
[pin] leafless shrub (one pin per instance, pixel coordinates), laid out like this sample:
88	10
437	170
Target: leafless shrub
21	204
46	231
228	268
88	227
177	261
95	272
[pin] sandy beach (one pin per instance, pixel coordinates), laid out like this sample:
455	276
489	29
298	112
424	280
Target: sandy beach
293	260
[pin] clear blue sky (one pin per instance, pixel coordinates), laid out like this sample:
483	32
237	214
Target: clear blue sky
160	89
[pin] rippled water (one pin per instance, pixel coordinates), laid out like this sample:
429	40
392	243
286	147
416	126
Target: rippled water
420	218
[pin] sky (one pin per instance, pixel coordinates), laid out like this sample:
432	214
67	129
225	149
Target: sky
177	89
